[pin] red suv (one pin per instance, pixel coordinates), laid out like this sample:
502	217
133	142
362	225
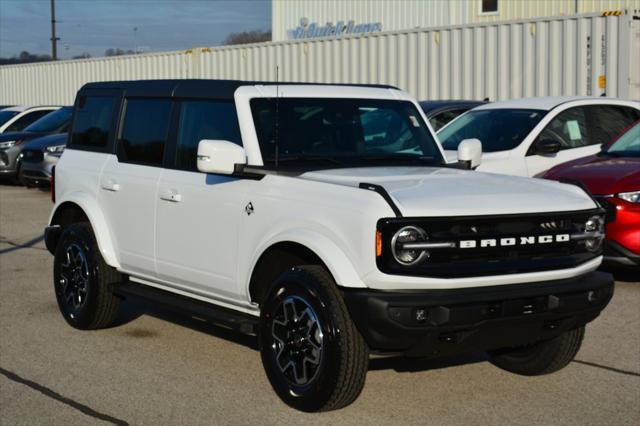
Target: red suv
613	177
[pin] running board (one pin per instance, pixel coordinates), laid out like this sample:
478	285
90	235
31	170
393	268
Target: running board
237	321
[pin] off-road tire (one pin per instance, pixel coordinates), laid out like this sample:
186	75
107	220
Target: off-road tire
100	307
342	369
540	358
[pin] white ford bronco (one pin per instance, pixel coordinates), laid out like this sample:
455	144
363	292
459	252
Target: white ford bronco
324	219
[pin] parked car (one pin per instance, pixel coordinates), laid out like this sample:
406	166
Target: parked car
613	176
11	144
440	113
39	156
17	118
340	233
527	136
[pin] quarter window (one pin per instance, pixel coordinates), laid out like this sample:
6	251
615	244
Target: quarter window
569	128
93	121
204	120
144	131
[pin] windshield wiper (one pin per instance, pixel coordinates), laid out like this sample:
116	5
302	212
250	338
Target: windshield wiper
304	157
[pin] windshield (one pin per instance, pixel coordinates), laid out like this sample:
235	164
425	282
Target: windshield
342	132
628	145
497	129
6	116
52	121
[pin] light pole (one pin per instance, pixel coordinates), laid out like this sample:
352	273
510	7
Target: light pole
54	39
135	39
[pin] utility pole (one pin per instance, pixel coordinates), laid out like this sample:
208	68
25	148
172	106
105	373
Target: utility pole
54	39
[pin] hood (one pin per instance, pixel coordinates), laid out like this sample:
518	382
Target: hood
13	136
45	141
431	191
602	175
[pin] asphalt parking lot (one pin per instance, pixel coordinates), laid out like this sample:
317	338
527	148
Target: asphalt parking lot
158	367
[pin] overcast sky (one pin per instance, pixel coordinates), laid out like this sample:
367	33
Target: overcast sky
93	26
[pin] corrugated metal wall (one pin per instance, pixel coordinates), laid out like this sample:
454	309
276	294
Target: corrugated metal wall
398	15
560	56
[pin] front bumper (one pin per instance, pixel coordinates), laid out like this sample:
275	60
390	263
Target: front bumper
615	253
433	323
39	172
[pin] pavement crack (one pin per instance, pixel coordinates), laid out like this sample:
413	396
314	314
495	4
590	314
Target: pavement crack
16	246
604	367
67	401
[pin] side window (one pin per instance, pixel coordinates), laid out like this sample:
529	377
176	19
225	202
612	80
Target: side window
569	128
612	120
25	120
144	131
204	120
93	121
439	120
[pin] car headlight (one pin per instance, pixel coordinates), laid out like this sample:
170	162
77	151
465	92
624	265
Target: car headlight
408	235
55	149
595	227
7	144
631	197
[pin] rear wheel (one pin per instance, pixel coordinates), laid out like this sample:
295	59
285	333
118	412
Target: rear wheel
540	358
83	281
312	352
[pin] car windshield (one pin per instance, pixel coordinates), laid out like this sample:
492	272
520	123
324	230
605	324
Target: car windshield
6	116
497	129
342	132
52	121
627	145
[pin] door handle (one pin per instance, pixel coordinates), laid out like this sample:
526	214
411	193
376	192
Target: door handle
111	185
171	195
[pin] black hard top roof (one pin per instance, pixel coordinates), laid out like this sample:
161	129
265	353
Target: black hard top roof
217	89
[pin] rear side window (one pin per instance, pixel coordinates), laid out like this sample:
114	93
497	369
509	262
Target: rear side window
144	131
569	128
612	120
93	121
204	120
24	121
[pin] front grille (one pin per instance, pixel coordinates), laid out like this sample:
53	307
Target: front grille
483	261
32	156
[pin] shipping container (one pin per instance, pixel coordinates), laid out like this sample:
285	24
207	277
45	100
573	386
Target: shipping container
587	54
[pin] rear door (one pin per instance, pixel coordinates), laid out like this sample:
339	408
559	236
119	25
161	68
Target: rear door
129	180
198	214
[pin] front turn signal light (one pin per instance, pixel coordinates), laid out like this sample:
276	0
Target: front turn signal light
378	243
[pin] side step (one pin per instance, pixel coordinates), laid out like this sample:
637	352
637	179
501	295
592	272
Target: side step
238	321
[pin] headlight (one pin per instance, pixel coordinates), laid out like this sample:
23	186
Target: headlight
55	149
408	234
594	226
7	144
631	197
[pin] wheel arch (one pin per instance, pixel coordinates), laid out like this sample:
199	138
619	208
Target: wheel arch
295	249
78	207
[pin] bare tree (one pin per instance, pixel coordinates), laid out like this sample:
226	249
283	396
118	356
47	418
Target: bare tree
246	37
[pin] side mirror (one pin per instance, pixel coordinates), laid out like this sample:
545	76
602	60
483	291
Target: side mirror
215	156
470	153
547	146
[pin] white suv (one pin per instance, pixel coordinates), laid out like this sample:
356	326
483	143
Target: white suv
325	220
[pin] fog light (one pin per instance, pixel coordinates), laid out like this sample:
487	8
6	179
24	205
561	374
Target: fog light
408	234
421	315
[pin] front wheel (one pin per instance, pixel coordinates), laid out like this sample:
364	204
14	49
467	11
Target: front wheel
540	358
314	357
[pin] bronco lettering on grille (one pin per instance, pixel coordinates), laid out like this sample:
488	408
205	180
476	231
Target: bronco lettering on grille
513	241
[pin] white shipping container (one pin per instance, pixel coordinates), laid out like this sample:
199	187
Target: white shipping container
571	55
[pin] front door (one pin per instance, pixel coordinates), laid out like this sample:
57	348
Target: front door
198	214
